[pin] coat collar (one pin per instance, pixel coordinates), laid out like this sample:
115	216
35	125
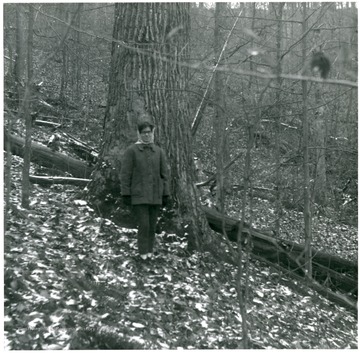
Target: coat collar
141	146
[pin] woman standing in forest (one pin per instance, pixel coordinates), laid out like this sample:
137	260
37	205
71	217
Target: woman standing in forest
144	185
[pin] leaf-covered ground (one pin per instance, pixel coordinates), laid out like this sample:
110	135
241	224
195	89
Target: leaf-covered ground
72	281
328	236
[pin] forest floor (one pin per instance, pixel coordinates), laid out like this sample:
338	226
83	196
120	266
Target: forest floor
73	281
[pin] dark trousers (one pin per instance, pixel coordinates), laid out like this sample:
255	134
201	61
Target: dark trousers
146	218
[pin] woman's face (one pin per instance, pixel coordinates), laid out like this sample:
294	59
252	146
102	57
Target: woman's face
146	135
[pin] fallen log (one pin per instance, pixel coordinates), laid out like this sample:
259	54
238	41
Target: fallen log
46	157
46	180
321	274
83	150
338	273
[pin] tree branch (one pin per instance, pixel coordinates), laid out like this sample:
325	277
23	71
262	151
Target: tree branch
197	118
199	66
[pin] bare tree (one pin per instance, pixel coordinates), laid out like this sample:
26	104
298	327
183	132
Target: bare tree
220	116
278	8
19	65
25	201
63	13
307	209
319	131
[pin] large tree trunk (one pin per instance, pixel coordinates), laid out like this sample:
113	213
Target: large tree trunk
146	82
47	158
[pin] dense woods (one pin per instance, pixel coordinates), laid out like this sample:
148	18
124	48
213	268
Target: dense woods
255	106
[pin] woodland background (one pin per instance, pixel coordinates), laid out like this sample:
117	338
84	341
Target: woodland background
50	303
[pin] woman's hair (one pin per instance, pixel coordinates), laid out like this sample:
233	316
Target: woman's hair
145	124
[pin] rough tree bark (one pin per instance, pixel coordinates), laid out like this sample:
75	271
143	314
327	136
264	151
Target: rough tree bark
146	82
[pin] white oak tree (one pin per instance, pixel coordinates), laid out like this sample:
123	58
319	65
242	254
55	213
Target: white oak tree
147	83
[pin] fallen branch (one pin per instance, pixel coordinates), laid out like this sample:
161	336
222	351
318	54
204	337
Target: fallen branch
46	181
197	66
47	105
82	149
213	176
47	123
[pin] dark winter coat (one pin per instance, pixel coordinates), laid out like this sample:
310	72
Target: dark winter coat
144	174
